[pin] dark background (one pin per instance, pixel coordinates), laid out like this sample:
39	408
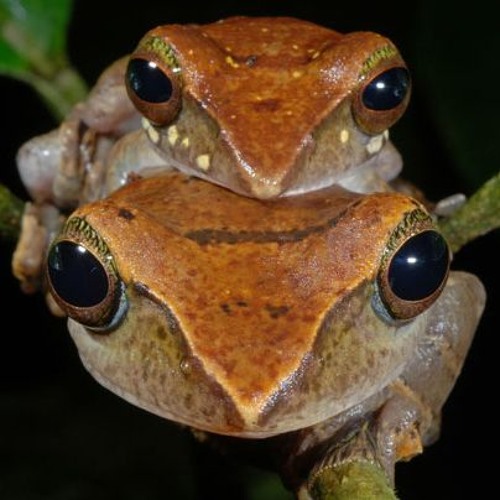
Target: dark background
64	437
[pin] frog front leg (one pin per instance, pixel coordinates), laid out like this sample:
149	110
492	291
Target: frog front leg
407	418
54	166
441	352
67	167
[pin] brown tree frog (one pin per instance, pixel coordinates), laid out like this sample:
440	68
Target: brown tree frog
294	299
267	107
301	321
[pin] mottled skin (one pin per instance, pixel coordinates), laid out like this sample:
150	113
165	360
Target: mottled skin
266	107
256	318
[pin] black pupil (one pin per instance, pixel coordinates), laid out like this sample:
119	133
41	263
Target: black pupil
148	81
76	275
387	90
419	267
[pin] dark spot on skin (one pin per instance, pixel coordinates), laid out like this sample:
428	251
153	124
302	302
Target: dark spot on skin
277	311
125	214
268	105
161	333
251	60
133	177
142	289
241	303
218	236
226	308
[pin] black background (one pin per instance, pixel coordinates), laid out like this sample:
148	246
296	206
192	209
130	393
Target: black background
64	437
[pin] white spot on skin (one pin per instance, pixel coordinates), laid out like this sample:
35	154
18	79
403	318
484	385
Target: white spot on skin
232	62
203	162
375	144
172	135
185	142
344	136
153	134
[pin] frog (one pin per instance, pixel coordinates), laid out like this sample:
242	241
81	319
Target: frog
256	150
264	106
316	329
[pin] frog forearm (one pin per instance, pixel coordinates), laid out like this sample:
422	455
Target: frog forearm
480	215
11	210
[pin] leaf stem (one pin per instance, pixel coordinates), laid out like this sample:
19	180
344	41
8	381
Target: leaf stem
478	216
11	210
60	92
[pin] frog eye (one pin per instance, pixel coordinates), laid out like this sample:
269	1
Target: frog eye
413	275
382	99
86	288
154	89
387	90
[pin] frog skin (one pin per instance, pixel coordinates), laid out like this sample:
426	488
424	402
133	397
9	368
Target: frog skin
267	107
291	322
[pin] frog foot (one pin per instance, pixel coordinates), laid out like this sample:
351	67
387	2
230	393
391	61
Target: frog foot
40	223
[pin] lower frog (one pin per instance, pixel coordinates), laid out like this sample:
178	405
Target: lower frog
322	328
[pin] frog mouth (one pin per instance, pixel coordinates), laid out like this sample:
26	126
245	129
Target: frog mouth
219	164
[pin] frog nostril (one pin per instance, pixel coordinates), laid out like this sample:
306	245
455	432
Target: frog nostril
76	275
147	80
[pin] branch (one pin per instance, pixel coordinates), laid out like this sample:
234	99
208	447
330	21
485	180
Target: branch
478	216
11	211
357	480
60	92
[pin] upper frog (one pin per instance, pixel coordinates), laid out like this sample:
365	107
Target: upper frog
269	106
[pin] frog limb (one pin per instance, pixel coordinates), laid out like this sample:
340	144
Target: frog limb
360	464
38	226
132	155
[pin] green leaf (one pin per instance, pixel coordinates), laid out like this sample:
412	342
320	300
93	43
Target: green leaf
11	63
36	31
33	49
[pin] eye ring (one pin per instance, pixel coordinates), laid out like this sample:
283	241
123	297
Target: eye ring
154	88
413	274
382	98
83	281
